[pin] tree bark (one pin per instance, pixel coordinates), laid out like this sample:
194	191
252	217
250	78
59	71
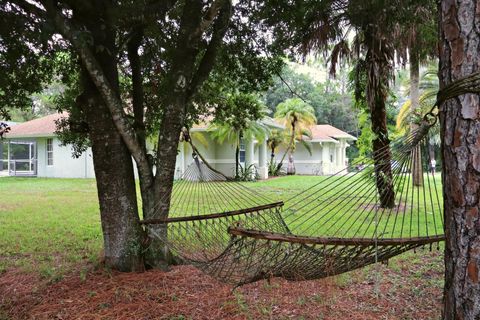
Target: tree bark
146	184
122	233
382	155
417	173
280	163
377	91
460	132
158	254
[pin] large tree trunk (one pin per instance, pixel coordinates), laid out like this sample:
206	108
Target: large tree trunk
159	255
382	155
122	233
460	132
417	174
378	67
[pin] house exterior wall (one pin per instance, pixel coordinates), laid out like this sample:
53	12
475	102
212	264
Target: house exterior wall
327	158
305	163
220	156
224	158
185	153
64	165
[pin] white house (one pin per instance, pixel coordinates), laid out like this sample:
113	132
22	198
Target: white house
35	150
328	151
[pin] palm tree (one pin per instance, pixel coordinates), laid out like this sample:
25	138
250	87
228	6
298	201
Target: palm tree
428	85
417	34
275	139
327	26
297	116
253	130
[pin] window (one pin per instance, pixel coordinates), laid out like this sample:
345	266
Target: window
242	151
49	152
331	158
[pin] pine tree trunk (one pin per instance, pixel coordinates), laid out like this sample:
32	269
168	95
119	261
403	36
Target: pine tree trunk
460	132
417	173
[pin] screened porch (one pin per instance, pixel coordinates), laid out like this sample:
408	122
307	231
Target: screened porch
21	158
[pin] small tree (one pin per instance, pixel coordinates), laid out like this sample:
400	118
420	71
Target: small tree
275	139
237	119
297	116
132	69
409	118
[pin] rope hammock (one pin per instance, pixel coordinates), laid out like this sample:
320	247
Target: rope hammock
243	232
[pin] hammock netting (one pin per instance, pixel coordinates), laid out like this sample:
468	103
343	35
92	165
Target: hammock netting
243	232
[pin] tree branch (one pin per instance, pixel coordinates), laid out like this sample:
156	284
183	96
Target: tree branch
30	8
109	96
133	44
208	59
209	17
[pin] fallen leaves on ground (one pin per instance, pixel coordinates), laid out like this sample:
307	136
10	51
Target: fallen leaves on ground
411	290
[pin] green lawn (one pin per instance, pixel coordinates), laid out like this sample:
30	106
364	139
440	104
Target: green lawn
51	225
336	206
48	224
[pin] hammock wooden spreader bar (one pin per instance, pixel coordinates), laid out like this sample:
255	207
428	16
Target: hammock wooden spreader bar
213	215
364	242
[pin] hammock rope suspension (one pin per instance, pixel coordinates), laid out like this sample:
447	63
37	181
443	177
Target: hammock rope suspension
244	232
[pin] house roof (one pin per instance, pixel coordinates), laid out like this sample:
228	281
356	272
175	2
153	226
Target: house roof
46	126
328	133
41	127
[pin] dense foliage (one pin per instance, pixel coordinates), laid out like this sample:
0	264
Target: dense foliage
330	98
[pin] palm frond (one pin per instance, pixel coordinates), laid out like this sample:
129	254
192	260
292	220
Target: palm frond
200	137
307	145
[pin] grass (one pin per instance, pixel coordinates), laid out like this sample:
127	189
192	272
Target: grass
51	225
340	206
48	225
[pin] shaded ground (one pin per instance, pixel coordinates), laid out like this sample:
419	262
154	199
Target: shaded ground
410	287
50	239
